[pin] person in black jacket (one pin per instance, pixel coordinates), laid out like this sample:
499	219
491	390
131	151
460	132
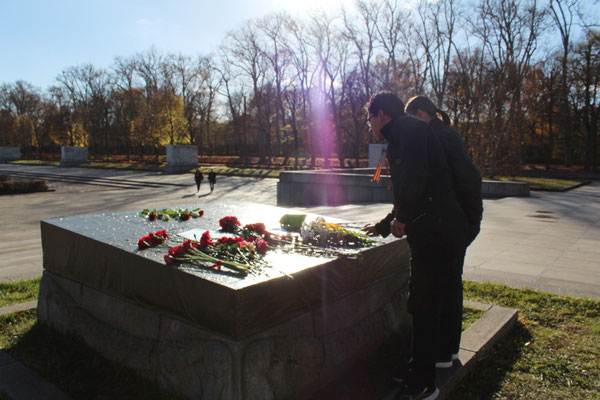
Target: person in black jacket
427	211
467	183
198	177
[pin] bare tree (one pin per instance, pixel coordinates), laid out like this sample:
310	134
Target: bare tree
563	12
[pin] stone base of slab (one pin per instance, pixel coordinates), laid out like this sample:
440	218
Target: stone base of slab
291	360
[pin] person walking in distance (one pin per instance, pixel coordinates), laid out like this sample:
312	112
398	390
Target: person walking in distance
212	179
427	211
467	184
198	177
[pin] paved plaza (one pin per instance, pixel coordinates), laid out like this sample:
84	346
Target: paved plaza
548	241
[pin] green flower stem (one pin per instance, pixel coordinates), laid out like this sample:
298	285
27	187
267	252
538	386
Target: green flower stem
201	256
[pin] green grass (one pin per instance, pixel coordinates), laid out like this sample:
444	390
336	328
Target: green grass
470	315
18	292
542	183
228	171
552	353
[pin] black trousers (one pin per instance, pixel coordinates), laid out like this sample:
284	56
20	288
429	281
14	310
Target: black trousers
435	303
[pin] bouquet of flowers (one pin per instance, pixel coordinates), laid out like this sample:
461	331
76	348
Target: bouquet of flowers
166	214
152	239
326	234
234	253
229	224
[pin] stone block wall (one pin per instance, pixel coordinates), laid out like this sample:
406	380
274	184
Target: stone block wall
9	153
181	158
289	361
376	153
72	156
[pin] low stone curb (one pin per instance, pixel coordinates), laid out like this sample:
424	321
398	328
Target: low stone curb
476	342
17	382
28	305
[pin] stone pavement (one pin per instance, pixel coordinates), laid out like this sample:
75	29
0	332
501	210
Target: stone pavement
549	241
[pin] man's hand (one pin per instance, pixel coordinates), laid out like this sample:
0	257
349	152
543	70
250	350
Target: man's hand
370	230
397	228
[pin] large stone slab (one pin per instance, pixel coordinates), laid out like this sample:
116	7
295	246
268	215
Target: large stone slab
329	187
9	153
181	158
207	335
352	186
72	156
376	154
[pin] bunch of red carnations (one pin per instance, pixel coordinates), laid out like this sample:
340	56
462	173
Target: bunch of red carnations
229	224
153	239
235	253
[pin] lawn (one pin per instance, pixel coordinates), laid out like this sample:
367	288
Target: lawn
552	353
136	166
542	183
18	292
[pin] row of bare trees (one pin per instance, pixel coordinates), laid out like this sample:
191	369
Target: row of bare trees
519	79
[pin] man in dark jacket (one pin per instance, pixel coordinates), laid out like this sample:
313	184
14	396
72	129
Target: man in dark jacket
425	209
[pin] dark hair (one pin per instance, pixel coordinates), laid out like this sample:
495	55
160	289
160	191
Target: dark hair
423	103
391	105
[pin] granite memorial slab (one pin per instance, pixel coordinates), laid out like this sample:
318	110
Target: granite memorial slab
181	158
281	333
72	156
9	153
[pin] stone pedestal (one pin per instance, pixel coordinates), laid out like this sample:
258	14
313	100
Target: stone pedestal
210	335
9	153
72	156
328	187
181	158
376	153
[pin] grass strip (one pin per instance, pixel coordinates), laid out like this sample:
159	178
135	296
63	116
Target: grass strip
18	292
220	170
542	183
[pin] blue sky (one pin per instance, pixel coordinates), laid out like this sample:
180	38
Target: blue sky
40	38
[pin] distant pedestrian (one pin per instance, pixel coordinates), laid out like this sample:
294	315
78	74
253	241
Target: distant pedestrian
199	177
212	179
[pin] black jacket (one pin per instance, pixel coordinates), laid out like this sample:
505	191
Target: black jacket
466	177
424	196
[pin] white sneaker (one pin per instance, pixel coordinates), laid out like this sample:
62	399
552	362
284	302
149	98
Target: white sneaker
447	363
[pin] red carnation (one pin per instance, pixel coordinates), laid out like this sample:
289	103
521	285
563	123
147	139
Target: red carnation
143	244
229	224
152	217
185	217
168	259
258	227
201	213
205	240
261	245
